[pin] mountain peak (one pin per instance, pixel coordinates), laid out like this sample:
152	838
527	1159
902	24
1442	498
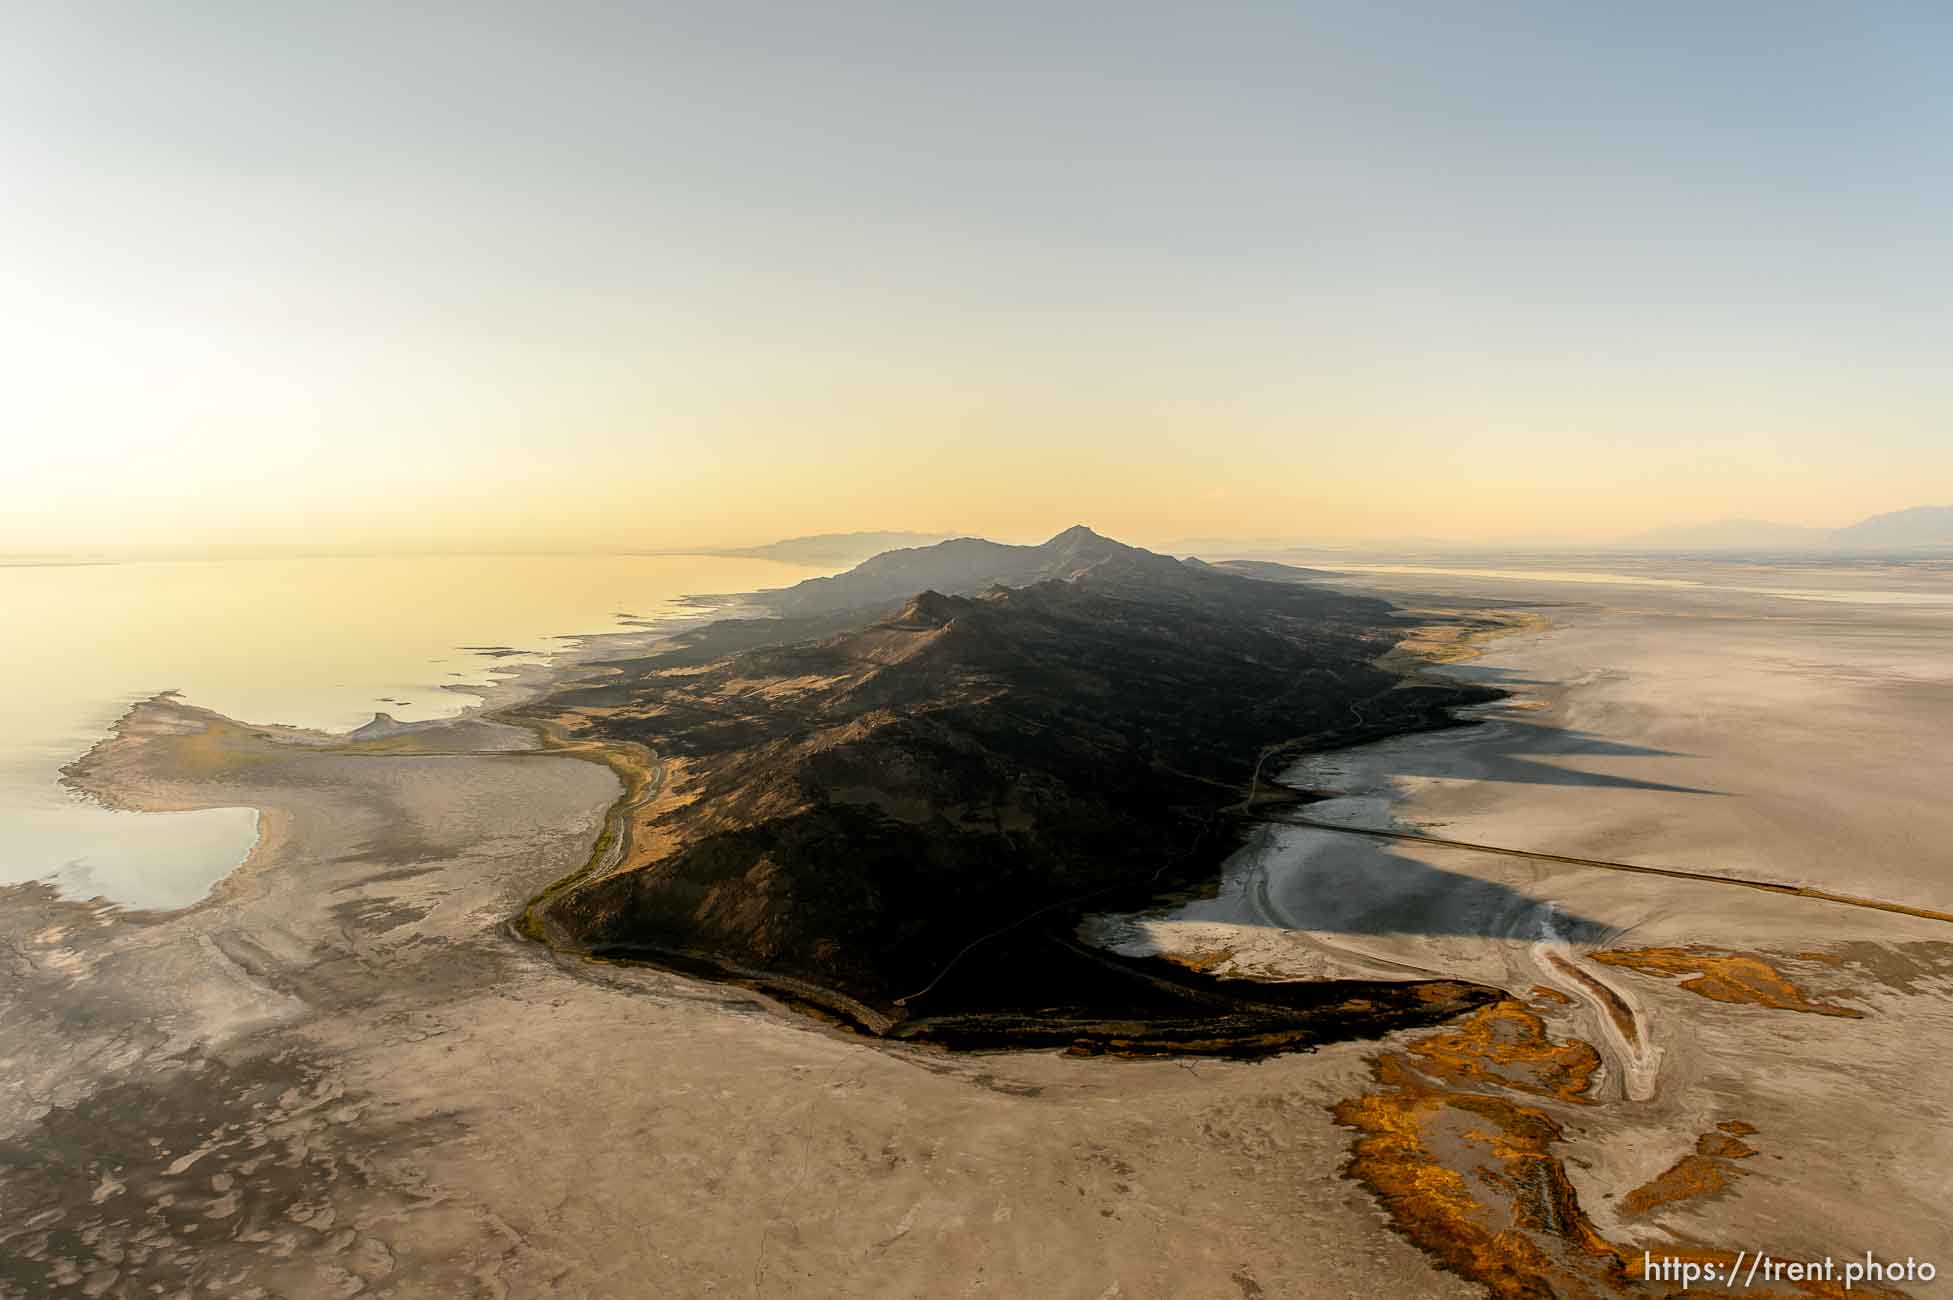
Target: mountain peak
929	609
1080	545
1917	526
967	565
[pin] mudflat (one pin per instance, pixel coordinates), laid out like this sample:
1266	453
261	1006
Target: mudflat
345	1073
1769	1065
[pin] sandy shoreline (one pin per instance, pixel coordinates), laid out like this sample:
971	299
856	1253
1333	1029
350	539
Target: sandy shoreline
106	776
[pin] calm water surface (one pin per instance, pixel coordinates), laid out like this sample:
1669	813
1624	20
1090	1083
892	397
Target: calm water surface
312	642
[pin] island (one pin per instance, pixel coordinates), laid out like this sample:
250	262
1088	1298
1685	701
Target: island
891	803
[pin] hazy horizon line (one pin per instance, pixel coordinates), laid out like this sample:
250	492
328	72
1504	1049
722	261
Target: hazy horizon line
1185	544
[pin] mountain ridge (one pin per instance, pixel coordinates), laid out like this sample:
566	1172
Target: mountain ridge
963	566
821	548
844	802
1915	526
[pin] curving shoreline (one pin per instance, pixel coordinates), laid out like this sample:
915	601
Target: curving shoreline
168	755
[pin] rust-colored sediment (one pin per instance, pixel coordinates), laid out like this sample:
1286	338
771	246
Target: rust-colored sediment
1691	1177
1721	1144
1553	996
1473	1179
1705	1172
1723	977
1515	1223
1507	1044
1441	1210
1617	1010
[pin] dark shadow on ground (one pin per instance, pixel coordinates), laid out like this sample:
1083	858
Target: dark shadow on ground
1510	751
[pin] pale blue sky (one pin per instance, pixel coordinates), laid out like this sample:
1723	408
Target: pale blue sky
721	271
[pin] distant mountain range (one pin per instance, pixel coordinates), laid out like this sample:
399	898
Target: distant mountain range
1919	527
826	548
895	565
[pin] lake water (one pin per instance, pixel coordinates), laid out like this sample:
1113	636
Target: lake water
312	642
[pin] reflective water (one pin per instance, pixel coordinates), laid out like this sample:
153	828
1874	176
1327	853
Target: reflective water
312	642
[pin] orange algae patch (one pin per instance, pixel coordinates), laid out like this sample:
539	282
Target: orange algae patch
1472	1179
1435	1205
1690	1177
1720	1144
1513	1223
1704	1173
1506	1044
1723	977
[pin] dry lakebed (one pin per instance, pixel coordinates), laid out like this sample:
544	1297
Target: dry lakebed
1696	859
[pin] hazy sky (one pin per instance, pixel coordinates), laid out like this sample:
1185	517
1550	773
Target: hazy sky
637	274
